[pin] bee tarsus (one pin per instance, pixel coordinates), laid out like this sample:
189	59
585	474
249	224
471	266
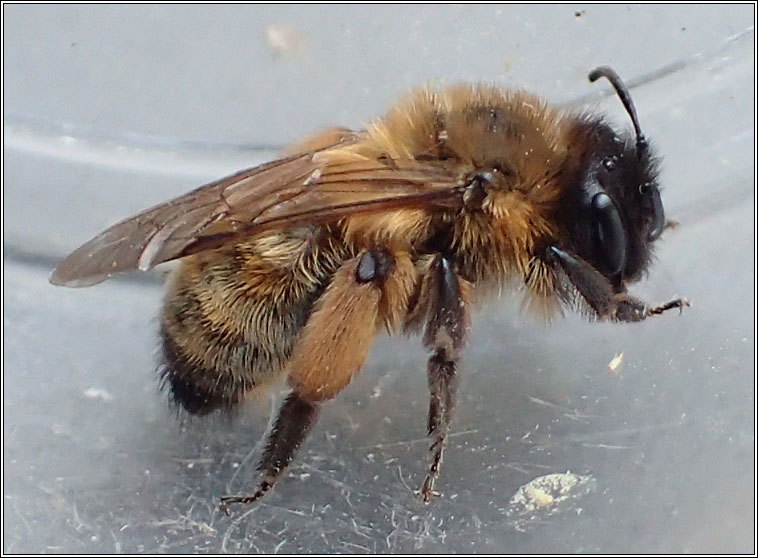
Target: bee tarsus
293	423
679	303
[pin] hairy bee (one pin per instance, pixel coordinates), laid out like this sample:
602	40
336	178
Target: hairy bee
291	267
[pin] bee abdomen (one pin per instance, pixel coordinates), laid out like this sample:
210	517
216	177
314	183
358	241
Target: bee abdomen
231	318
194	387
209	366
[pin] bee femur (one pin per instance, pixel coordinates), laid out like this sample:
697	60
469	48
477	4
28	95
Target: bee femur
623	93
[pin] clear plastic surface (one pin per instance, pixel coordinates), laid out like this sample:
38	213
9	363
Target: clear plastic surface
559	444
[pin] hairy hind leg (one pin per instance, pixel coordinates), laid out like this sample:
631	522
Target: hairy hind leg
333	347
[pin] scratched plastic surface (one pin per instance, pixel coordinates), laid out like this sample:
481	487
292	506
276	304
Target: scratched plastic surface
111	109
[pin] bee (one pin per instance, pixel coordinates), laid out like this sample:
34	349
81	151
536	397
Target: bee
289	269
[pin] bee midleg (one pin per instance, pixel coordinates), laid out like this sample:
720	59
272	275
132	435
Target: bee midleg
599	292
332	348
443	299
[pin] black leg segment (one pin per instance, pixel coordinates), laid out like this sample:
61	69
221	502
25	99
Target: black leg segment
293	423
443	384
446	328
600	295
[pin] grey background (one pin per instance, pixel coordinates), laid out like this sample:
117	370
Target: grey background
109	109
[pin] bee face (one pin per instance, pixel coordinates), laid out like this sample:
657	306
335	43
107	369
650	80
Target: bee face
614	211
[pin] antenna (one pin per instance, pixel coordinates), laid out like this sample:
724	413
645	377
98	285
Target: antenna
623	93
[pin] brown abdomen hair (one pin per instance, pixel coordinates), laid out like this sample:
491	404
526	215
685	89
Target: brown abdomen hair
232	316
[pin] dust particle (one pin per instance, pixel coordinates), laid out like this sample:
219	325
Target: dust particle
284	40
616	362
97	393
548	496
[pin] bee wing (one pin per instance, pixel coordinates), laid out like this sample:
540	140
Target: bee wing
304	188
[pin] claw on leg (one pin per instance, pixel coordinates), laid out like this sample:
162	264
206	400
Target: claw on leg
676	303
227	501
427	490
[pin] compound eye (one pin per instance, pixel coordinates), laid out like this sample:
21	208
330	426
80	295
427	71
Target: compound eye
610	238
659	218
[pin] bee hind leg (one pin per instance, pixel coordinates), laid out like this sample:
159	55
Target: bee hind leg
293	423
332	348
443	301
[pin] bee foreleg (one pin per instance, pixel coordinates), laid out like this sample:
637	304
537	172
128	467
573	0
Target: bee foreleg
444	295
630	309
599	293
333	346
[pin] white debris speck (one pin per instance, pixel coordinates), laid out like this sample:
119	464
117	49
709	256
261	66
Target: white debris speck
547	496
97	393
616	362
539	497
284	39
313	178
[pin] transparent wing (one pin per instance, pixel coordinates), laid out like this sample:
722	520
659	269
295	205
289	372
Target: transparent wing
303	188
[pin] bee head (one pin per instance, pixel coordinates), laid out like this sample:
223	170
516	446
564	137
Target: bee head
615	213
